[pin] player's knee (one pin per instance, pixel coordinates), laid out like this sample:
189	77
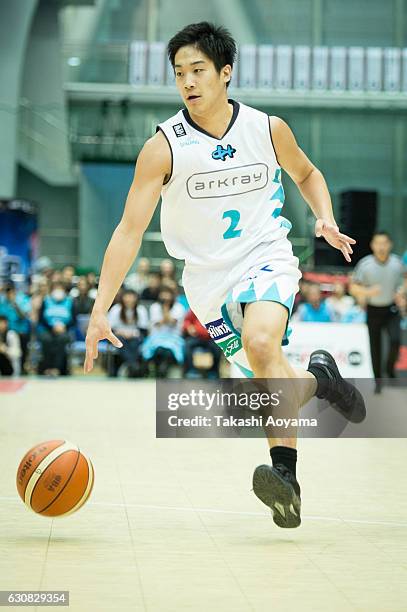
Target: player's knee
262	348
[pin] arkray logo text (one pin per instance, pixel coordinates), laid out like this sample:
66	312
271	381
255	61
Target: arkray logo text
229	182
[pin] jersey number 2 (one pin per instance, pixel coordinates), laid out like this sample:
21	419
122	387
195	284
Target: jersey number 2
234	216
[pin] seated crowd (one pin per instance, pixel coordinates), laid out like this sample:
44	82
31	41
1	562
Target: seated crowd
40	324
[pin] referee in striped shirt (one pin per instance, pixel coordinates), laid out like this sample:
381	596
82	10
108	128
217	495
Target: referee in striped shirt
376	281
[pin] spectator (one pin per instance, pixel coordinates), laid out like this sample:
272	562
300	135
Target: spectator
151	292
169	283
314	309
172	285
93	285
129	321
301	296
167	270
339	303
138	281
16	307
83	303
38	292
355	314
56	277
198	348
10	350
165	346
68	273
43	269
56	319
401	301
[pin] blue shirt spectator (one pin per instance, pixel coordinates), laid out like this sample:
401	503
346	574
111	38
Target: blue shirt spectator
356	314
16	307
315	309
56	318
57	309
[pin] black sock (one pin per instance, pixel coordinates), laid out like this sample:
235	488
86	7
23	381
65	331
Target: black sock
322	380
285	455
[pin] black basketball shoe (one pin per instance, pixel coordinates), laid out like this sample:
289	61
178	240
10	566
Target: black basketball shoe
341	394
278	488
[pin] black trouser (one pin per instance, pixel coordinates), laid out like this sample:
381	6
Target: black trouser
6	368
381	318
24	340
163	358
192	343
128	354
54	351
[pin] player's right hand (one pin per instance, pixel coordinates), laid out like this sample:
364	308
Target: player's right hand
98	329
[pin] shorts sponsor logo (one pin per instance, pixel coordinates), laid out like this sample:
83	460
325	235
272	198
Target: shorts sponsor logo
228	182
230	346
218	329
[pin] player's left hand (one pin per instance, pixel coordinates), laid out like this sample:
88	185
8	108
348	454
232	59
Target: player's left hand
333	236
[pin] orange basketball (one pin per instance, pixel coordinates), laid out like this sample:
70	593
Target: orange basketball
54	478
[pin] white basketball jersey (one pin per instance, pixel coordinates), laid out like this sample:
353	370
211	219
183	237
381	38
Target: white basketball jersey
224	195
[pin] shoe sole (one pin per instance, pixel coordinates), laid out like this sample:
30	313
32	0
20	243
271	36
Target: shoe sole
357	413
278	495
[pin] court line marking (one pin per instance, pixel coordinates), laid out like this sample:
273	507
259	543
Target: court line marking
237	512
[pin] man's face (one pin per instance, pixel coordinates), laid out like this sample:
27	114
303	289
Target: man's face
197	80
381	246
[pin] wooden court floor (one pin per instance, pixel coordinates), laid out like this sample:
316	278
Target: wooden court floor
172	525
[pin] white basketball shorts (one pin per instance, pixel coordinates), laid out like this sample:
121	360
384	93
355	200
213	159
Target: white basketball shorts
215	295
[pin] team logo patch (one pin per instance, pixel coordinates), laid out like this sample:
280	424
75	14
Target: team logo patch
179	130
222	153
218	329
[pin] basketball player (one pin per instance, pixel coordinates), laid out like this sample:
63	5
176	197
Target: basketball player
217	165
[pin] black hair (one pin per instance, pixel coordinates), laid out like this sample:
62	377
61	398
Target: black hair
215	42
123	310
3	318
381	233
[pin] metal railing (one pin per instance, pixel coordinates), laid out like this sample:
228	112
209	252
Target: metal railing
282	67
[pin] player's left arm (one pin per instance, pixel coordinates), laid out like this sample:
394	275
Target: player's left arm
311	184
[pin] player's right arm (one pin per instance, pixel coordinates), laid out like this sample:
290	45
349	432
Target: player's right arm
152	167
